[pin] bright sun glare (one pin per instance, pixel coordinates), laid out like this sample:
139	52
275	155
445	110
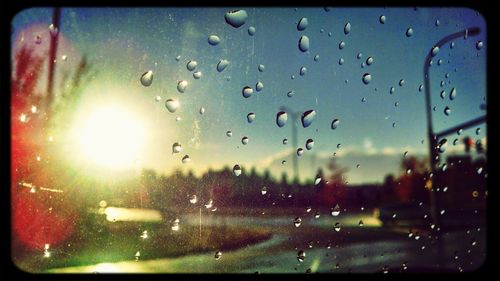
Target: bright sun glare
111	137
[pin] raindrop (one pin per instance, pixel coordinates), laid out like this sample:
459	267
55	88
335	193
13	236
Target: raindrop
420	88
213	40
137	255
479	170
174	224
297	222
147	78
402	82
479	45
259	86
197	74
281	118
193	199
261	68
178	58
317	180
452	45
144	234
442	145
157	98
302	25
367	78
181	86
341	45
64	57
394	124
316	57
301	255
382	19
303	71
453	94
172	105
263	191
53	30
335	124
347	28
176	148
447	111
229	133
391	90
360	223
308	117
250	117
209	204
408	171
186	159
409	32
369	61
244	140
341	61
217	255
336	226
304	43
247	91
191	65
437	23
300	151
202	110
442	94
222	65
251	31
478	130
236	18
434	51
237	170
285	141
309	144
335	211
316	215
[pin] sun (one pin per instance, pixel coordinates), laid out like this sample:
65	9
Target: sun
110	137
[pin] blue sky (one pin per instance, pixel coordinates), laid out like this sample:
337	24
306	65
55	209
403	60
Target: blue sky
124	43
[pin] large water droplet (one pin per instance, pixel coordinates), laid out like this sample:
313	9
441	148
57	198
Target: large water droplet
285	141
297	222
341	45
367	78
172	105
307	118
237	170
434	51
369	61
191	65
303	71
222	65
176	147
217	255
442	145
309	144
250	117
447	111
186	159
341	61
302	25
301	255
259	86
335	124
409	32
382	19
304	43
213	40
236	18
244	140
247	91
335	211
251	31
281	118
181	86
347	28
197	74
147	78
479	45
300	151
229	133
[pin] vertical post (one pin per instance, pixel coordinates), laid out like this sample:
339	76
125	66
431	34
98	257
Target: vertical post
295	146
54	38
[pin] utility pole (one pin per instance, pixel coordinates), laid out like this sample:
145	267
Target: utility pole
54	38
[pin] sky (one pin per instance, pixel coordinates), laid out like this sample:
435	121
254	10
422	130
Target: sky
123	43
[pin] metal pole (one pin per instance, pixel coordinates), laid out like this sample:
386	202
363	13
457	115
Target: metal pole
54	38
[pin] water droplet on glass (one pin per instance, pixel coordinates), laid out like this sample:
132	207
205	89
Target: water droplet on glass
382	19
193	199
479	170
251	31
285	141
391	90
409	32
420	88
229	133
176	147
53	30
172	105
341	45
360	223
181	86
191	65
367	78
213	40
308	117
157	98
302	25
335	211
479	45
478	130
197	74
316	57
335	124
247	91
186	159
369	61
147	78
341	61
434	51
263	191
447	111
237	170
217	255
336	226
347	28
38	39
281	118
316	215
442	145
250	117
236	18
301	255
261	68
304	43
209	204
317	180
402	82
303	71
259	86
300	151
222	65
309	144
244	140
174	224
297	222
442	94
